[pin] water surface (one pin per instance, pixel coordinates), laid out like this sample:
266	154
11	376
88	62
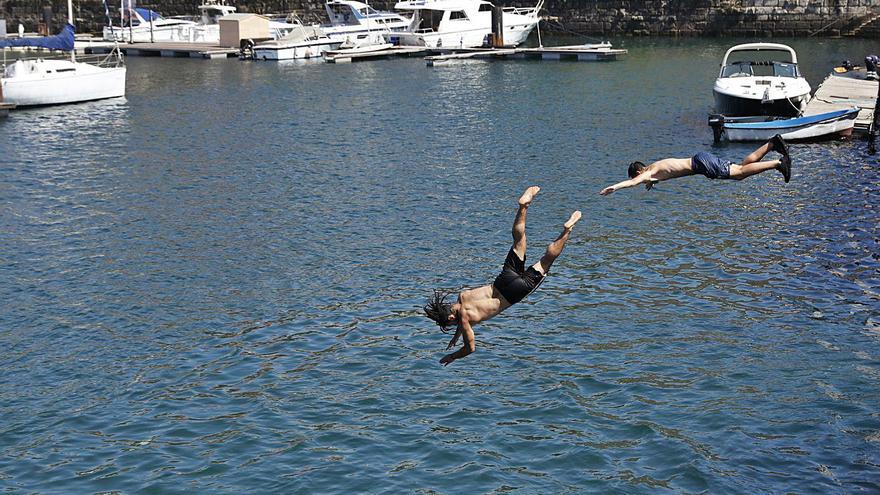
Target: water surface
214	286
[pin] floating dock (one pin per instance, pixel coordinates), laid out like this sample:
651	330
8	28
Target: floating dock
342	56
167	49
846	90
593	52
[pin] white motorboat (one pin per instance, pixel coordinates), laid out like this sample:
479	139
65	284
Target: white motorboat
760	79
462	23
359	27
139	25
208	28
44	81
303	42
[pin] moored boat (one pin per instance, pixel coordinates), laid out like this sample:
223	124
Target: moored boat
357	25
145	25
760	79
462	23
303	42
829	125
52	81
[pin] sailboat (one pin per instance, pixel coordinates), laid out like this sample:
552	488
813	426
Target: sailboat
40	81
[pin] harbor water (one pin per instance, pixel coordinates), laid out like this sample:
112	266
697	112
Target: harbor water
215	285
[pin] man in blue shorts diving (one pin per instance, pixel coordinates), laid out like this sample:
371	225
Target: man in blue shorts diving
515	282
709	165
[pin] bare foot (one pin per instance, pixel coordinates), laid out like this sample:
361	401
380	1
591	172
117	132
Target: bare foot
526	198
572	220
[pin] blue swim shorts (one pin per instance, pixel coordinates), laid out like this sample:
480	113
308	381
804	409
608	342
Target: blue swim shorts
711	166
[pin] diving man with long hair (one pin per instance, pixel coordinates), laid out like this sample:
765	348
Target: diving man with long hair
513	284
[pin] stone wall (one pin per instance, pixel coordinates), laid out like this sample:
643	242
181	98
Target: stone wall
600	17
710	17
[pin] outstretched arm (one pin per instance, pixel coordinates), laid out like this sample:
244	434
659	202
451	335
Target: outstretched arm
645	176
469	345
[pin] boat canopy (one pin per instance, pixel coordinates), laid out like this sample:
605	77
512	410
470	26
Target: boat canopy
760	47
300	34
60	41
147	14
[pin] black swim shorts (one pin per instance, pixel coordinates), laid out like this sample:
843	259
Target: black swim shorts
711	166
516	281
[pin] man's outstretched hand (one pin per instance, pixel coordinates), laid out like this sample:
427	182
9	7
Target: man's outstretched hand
447	359
608	190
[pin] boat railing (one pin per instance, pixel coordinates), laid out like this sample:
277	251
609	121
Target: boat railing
113	58
520	10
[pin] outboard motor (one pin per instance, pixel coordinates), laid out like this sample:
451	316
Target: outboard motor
716	122
246	49
871	62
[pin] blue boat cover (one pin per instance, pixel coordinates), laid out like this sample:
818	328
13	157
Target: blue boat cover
60	41
794	122
148	14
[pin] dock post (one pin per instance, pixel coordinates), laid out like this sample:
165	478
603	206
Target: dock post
872	133
497	40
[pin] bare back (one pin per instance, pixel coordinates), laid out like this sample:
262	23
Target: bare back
482	303
670	168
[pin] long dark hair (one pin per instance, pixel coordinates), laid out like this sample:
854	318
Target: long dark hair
438	309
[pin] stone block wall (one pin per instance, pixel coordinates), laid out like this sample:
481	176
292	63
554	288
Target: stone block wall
599	17
709	17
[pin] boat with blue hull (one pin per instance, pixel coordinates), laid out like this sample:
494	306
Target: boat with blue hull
828	125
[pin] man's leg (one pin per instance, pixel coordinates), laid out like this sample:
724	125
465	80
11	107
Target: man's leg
519	223
759	153
751	164
555	248
740	172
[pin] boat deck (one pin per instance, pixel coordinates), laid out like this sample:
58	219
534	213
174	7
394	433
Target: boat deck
846	90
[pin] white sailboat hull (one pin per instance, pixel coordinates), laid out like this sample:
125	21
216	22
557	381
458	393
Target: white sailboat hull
54	82
177	31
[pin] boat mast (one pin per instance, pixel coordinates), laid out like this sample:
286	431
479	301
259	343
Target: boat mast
70	21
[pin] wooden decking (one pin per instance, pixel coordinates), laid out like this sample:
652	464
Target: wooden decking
845	91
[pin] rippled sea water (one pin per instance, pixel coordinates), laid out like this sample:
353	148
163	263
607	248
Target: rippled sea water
214	286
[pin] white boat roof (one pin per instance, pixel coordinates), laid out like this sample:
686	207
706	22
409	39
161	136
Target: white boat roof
353	3
438	4
756	47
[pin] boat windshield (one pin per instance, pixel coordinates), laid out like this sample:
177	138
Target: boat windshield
429	19
760	69
342	15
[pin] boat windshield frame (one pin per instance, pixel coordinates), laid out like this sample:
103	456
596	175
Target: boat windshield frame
769	68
